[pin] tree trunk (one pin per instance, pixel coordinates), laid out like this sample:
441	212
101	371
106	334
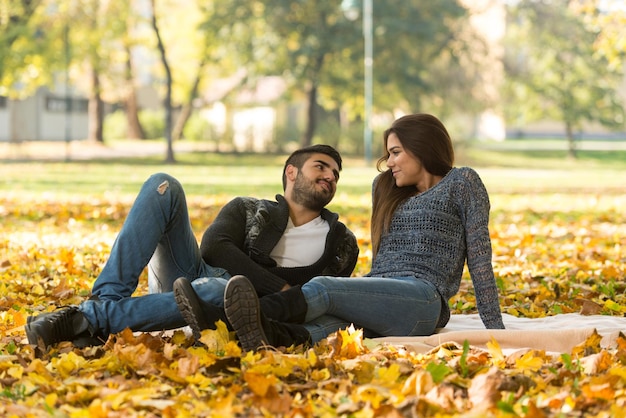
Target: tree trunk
95	110
181	121
185	113
169	158
571	142
229	130
134	128
311	123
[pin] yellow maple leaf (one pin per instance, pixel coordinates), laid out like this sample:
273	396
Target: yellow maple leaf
216	339
259	383
178	337
590	346
347	343
614	306
320	374
67	363
51	400
529	361
388	376
373	394
497	357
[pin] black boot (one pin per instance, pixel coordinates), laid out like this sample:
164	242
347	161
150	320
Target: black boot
286	306
253	329
198	314
65	324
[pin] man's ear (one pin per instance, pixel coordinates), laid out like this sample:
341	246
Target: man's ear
291	172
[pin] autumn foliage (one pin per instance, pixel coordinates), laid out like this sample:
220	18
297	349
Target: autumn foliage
552	254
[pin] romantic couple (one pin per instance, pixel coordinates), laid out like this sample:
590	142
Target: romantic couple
278	272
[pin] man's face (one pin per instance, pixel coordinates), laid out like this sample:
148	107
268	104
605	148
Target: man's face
316	182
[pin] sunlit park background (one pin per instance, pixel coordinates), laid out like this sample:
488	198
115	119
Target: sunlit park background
96	95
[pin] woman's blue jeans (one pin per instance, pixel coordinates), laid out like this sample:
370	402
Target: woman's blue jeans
381	306
156	233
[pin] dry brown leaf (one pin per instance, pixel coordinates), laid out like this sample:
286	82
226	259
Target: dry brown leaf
484	392
588	307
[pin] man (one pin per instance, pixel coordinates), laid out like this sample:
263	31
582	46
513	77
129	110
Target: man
281	243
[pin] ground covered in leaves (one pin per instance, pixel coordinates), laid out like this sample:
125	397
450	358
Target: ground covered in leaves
552	254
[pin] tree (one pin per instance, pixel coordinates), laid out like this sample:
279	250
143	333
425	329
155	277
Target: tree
29	42
14	25
608	19
301	38
210	50
554	72
168	87
92	15
423	53
134	128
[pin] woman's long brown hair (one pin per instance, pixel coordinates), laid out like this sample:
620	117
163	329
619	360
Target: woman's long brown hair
424	137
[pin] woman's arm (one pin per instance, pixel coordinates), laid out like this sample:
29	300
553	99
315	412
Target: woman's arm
476	206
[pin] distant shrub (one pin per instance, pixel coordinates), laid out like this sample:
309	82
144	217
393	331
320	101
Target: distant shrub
198	129
115	125
153	123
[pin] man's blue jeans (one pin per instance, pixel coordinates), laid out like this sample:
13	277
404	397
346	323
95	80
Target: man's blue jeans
156	233
382	306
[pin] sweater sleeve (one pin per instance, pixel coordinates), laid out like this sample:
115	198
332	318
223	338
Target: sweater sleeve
475	208
223	245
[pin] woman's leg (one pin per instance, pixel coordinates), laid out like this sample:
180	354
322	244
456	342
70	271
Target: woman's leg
325	325
385	306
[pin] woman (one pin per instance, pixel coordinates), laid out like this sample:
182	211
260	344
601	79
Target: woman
428	219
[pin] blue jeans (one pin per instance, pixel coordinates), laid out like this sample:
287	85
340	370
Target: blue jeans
156	233
381	306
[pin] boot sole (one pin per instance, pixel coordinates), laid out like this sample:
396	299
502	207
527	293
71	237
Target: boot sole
243	311
190	307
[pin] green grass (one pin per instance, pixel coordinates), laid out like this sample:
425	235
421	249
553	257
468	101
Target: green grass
249	177
504	168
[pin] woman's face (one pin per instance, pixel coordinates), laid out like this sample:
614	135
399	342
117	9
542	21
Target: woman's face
407	170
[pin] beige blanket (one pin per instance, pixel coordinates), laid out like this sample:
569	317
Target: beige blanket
559	333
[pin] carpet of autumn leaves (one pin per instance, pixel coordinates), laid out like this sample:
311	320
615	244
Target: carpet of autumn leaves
552	254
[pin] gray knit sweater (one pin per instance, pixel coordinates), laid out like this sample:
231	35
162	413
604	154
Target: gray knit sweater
432	235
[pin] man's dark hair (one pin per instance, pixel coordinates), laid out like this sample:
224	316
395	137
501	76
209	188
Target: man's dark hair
300	156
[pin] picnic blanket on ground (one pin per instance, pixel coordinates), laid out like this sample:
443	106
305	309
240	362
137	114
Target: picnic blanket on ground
559	333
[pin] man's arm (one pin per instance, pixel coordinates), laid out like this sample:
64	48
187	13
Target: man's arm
347	254
223	246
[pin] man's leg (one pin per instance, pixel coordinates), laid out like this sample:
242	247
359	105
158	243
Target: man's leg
254	330
152	312
198	306
199	314
93	320
157	228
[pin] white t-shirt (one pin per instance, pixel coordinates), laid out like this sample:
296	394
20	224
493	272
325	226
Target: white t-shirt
301	245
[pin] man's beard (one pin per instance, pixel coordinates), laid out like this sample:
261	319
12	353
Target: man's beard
306	194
